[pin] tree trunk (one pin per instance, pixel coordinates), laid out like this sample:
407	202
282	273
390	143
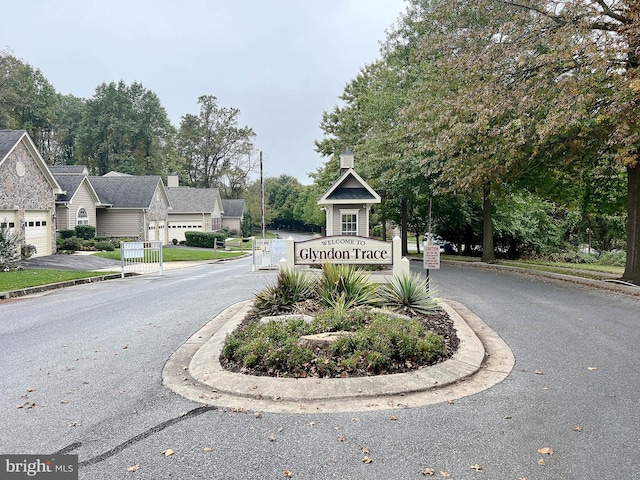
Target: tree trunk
405	222
488	254
632	266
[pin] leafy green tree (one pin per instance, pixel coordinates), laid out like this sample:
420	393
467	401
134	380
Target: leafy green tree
125	129
27	101
212	143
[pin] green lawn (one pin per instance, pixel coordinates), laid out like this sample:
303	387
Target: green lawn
183	254
15	280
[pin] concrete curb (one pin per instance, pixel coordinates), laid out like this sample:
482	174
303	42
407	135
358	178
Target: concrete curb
587	282
23	292
194	371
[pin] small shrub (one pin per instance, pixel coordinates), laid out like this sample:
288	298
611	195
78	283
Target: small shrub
9	249
105	246
71	244
343	286
27	251
409	294
85	232
63	234
615	259
102	239
174	241
291	287
88	244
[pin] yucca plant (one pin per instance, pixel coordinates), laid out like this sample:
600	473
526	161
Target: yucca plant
409	294
291	288
343	286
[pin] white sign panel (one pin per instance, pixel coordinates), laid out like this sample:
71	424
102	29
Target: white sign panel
343	249
431	256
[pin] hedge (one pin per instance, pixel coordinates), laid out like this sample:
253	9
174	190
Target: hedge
203	239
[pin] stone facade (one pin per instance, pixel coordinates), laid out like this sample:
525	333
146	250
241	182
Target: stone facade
24	187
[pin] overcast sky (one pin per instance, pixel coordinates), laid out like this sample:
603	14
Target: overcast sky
280	62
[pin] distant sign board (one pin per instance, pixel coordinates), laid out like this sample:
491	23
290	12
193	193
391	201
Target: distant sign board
431	256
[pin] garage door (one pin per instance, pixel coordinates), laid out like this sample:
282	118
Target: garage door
36	231
177	229
8	219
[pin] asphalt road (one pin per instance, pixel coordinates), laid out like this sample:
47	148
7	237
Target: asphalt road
84	364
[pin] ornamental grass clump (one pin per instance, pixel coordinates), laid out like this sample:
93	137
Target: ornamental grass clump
343	287
292	288
410	295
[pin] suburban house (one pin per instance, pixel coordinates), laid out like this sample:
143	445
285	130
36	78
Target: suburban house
131	207
78	204
233	213
193	209
37	200
27	192
347	203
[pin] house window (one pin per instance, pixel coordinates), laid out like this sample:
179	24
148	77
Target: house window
82	218
348	223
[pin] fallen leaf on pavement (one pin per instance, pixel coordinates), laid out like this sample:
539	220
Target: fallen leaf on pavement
546	450
168	452
134	468
341	438
476	468
31	389
538	372
288	474
393	417
591	369
367	459
444	474
541	461
577	428
428	471
364	449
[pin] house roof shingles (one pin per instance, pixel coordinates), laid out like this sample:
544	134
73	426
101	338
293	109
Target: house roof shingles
192	200
70	184
8	140
233	207
126	192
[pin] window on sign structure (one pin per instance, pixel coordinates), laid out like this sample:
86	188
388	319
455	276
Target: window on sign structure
349	224
82	218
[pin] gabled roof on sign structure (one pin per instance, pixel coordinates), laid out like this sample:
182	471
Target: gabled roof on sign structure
350	186
9	140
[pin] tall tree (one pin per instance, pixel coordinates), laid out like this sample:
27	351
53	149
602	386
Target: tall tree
125	128
212	141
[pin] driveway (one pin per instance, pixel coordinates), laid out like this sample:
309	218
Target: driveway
77	261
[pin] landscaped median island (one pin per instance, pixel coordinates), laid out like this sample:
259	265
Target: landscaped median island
340	324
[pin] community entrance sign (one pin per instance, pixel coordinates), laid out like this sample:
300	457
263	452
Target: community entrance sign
343	249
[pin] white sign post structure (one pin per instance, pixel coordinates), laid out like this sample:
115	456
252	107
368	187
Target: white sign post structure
431	258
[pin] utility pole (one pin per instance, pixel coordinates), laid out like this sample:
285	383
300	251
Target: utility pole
262	196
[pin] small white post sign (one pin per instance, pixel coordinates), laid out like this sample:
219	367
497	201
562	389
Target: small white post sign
431	256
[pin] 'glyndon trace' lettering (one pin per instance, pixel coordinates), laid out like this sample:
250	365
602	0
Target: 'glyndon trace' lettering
345	255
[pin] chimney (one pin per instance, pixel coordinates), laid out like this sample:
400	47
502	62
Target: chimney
346	160
173	181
